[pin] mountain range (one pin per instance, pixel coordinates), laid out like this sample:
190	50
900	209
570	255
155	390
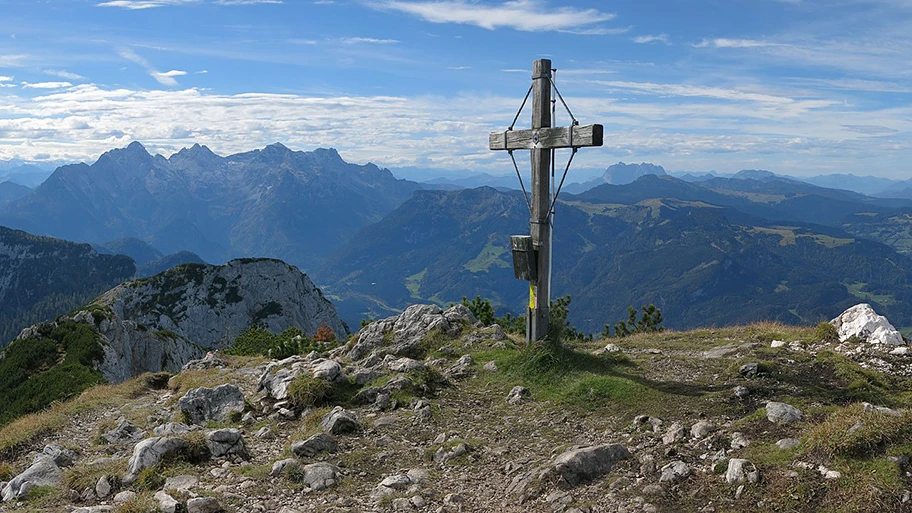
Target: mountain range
722	252
720	249
273	202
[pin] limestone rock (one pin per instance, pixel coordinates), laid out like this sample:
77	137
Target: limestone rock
701	429
781	412
787	443
408	329
150	452
103	487
166	503
278	375
405	364
738	472
184	482
340	421
576	466
870	408
863	322
124	432
227	443
462	367
674	472
200	405
518	395
279	467
204	505
124	497
60	455
43	472
315	444
674	433
739	441
321	475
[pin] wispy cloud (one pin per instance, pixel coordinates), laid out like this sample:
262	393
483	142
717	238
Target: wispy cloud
143	4
63	74
367	40
5	78
151	4
734	43
525	15
661	38
45	85
163	78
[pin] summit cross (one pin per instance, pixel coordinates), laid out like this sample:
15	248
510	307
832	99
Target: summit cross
542	139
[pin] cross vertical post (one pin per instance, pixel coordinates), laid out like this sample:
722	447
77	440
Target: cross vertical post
532	253
538	316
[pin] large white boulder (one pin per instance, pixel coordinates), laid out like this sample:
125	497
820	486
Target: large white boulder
863	322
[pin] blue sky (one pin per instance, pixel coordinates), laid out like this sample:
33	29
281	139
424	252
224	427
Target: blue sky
794	86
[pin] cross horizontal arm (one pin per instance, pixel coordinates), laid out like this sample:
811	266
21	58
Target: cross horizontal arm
547	138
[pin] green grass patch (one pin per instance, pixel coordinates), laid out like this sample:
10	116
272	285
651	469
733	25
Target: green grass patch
850	431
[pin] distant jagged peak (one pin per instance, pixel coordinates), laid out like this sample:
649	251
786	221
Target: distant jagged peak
133	155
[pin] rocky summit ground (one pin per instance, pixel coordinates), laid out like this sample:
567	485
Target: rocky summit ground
430	411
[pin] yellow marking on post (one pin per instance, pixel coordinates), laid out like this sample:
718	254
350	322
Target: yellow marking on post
532	296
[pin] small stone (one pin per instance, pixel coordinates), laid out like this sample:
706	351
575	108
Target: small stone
674	471
315	444
749	370
103	487
741	391
340	421
166	503
781	412
739	441
787	443
396	482
674	433
265	433
418	501
124	496
738	473
870	408
901	351
777	344
203	505
701	429
183	482
490	367
518	395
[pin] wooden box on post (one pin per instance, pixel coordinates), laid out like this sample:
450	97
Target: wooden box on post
524	260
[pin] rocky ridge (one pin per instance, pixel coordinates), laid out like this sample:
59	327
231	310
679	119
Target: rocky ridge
161	323
419	420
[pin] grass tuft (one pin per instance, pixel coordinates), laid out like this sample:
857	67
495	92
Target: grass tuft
840	434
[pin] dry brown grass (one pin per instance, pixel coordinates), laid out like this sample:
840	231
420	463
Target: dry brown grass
17	435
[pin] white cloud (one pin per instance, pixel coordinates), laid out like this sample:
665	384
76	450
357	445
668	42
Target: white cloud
163	78
63	74
367	40
151	4
46	85
733	43
143	4
201	72
661	38
4	78
525	15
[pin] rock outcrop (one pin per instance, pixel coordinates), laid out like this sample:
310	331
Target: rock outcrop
163	322
401	335
863	322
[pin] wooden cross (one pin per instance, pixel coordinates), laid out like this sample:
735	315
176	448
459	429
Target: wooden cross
542	139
